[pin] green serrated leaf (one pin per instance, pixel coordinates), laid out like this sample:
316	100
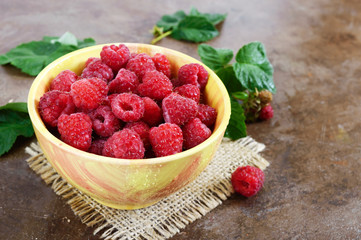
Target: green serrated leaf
13	124
214	58
236	127
229	79
86	42
195	29
253	69
169	22
4	60
16	106
214	18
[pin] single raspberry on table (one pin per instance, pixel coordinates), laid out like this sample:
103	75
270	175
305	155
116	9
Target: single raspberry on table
114	56
266	112
63	81
142	129
140	64
247	180
152	112
194	133
125	81
166	139
162	64
97	146
95	68
190	91
76	130
128	107
53	104
178	109
105	123
193	73
155	85
207	114
125	143
89	93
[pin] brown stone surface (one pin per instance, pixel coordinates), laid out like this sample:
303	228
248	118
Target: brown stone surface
312	188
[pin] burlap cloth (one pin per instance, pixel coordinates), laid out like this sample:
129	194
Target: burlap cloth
167	217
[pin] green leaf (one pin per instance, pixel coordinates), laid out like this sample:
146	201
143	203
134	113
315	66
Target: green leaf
236	127
14	122
214	58
33	56
195	29
243	96
214	18
169	22
253	69
229	79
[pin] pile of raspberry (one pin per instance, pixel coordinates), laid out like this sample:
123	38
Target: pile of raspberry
129	105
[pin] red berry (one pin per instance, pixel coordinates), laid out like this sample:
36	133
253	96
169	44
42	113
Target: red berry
166	139
76	130
152	112
124	144
142	129
105	123
266	112
155	85
97	146
140	64
53	104
95	68
114	56
89	93
189	91
125	81
178	109
247	180
194	133
162	64
63	81
193	73
128	107
207	114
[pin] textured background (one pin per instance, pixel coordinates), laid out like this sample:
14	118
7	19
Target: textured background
312	188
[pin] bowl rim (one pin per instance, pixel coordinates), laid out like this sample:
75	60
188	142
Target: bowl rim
40	126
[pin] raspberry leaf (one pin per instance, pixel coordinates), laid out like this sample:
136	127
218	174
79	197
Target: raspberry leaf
14	122
169	22
214	18
195	29
34	56
215	58
253	69
236	127
229	79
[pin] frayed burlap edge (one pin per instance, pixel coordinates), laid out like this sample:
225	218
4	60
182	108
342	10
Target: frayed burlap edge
102	218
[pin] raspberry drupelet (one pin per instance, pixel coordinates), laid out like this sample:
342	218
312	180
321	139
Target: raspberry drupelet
166	139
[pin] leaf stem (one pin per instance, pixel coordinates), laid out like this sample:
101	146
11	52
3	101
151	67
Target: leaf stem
157	39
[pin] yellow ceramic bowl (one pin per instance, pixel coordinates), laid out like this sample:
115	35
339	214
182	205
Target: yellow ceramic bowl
123	183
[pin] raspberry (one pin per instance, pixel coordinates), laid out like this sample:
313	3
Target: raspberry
142	129
107	101
125	81
97	146
76	130
89	93
53	104
114	56
266	112
162	64
189	91
124	144
178	109
63	81
193	73
247	180
166	139
152	112
265	96
104	121
95	68
128	107
207	114
140	64
155	85
194	133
